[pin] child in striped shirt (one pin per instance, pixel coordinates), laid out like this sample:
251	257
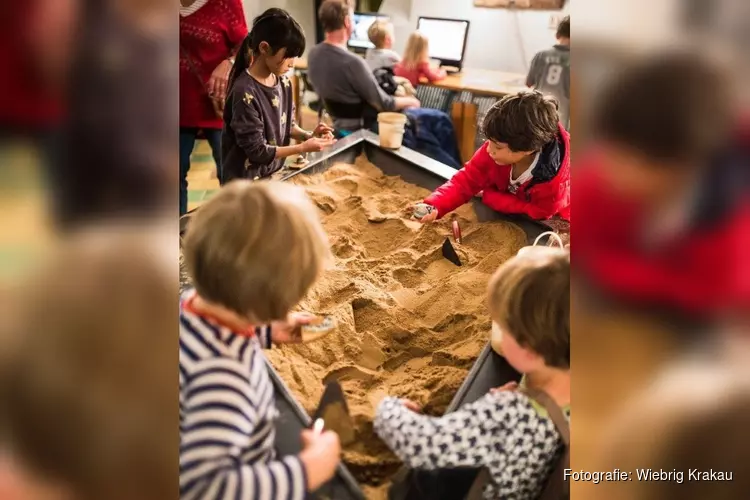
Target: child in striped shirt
252	252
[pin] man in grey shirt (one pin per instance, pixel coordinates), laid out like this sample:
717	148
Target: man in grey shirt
550	71
342	77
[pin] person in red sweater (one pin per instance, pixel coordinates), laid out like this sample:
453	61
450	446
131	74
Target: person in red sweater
211	31
416	61
664	210
522	168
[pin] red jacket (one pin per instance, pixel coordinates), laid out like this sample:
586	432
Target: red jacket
702	272
25	99
545	195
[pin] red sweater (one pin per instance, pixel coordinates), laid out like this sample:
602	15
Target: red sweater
702	271
208	36
25	101
414	74
546	194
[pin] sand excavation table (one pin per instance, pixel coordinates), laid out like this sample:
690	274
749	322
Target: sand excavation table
409	322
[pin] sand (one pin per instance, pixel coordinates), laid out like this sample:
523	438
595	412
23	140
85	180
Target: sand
410	323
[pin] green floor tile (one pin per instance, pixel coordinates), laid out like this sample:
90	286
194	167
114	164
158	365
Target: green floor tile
210	194
196	195
201	158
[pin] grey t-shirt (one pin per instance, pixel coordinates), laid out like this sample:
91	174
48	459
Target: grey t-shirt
550	74
340	76
381	58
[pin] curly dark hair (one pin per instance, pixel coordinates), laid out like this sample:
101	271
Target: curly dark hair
525	121
675	107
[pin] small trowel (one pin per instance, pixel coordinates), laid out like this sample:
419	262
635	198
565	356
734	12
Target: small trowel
450	253
334	412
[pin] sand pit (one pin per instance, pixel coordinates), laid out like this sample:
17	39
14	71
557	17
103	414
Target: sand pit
411	323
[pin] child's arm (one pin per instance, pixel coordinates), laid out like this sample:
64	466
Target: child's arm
432	75
463	185
223	440
248	127
464	438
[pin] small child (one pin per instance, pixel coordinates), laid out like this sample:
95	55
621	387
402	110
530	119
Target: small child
252	252
505	431
383	55
259	115
523	168
550	71
416	62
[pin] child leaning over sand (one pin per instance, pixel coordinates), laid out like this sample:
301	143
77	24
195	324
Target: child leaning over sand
505	431
523	168
380	34
252	252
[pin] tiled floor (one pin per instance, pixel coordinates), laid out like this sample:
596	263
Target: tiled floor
202	181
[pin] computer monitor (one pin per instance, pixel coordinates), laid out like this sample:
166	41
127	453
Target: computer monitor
447	39
359	40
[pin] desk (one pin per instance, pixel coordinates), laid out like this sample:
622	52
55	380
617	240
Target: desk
476	82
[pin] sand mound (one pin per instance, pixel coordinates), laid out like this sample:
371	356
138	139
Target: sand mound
410	323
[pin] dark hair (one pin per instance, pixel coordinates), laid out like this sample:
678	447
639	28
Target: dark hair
672	107
525	121
332	14
279	30
563	29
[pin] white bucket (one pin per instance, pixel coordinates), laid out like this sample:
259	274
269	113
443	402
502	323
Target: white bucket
391	129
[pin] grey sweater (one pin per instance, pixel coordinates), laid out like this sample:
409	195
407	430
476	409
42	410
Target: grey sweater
341	76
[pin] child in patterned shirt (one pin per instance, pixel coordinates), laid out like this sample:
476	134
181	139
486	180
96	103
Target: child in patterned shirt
259	114
505	431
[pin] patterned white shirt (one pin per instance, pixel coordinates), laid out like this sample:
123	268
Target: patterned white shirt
506	432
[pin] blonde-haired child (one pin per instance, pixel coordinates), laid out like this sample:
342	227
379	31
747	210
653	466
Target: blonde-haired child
506	431
380	34
416	61
252	252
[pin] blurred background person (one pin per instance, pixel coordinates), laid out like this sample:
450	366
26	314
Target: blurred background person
688	422
211	32
87	375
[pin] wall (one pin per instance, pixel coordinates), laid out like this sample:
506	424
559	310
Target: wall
499	39
301	10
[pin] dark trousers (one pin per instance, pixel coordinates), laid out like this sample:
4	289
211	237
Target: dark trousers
187	143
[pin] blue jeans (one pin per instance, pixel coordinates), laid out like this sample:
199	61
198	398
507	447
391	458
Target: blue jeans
187	143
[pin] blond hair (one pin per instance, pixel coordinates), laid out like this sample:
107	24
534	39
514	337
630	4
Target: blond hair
417	49
88	384
378	32
529	297
256	248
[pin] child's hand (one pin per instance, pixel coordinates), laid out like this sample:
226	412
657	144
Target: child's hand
315	144
320	456
290	331
411	405
431	217
510	386
412	210
322	130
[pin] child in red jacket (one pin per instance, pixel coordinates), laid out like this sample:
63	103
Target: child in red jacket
663	191
523	168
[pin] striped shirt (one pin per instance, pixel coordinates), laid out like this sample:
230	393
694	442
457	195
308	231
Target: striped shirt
227	416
